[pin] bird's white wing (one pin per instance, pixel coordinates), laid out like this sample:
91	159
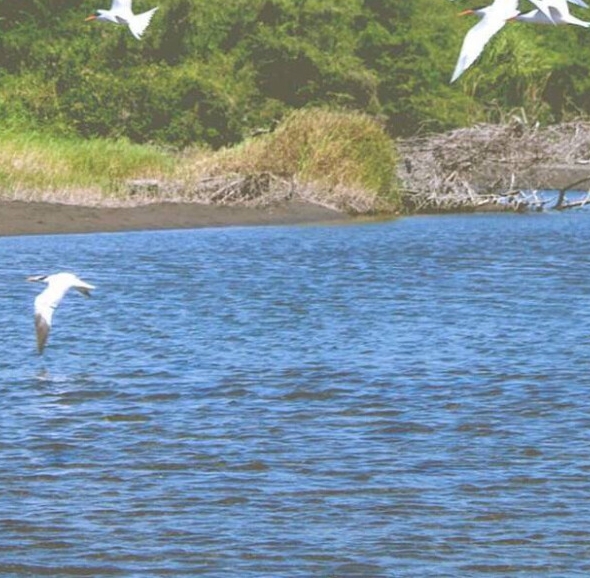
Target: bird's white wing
84	290
561	13
474	43
121	6
548	8
45	304
42	328
578	3
534	17
139	23
506	7
542	6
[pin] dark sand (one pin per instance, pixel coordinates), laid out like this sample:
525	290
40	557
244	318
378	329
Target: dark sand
32	218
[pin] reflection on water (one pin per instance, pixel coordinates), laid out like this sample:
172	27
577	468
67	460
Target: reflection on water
43	375
391	399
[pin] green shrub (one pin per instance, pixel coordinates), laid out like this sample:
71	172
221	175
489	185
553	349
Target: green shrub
333	149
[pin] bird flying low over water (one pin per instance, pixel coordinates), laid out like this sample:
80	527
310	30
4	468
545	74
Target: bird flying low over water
47	301
493	18
121	13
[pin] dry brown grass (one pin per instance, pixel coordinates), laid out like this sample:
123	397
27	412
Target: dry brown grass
341	160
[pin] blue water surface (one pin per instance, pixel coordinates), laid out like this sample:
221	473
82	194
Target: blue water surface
408	398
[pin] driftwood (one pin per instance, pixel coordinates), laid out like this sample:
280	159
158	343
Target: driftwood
231	189
563	203
497	167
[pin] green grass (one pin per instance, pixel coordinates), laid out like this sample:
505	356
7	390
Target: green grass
340	159
37	165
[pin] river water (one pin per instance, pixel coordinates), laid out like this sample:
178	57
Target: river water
408	398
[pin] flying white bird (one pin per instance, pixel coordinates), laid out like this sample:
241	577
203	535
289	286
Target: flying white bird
577	2
493	18
121	13
553	12
47	301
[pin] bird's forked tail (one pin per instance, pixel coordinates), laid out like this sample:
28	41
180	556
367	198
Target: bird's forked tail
140	22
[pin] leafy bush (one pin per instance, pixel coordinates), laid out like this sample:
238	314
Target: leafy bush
332	149
214	72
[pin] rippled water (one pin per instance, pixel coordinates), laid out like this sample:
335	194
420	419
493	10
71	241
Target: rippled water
391	399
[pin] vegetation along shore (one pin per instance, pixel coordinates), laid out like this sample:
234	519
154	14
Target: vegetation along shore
317	165
268	105
340	162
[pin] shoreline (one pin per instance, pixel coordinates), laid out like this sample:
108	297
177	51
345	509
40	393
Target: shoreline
43	218
467	170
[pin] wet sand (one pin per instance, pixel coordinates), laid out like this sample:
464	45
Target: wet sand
32	218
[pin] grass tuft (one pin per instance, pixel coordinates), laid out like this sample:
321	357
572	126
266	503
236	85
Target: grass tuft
337	158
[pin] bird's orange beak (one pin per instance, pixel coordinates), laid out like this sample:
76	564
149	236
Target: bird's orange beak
91	17
465	12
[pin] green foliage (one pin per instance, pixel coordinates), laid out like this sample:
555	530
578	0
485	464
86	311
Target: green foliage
513	73
335	148
339	158
214	72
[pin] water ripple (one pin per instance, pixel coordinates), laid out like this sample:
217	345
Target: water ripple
393	399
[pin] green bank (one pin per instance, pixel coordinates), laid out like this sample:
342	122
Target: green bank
341	159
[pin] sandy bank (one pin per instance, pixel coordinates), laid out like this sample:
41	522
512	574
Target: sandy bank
32	218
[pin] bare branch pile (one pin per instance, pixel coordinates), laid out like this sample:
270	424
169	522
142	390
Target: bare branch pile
471	168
